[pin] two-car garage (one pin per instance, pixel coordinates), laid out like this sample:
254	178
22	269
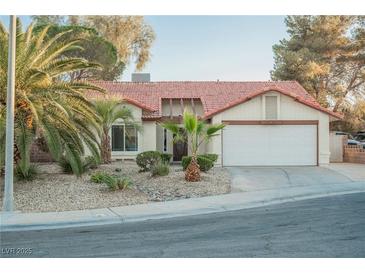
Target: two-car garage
270	143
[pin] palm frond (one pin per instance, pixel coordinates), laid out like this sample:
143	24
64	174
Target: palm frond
190	121
212	129
53	140
174	128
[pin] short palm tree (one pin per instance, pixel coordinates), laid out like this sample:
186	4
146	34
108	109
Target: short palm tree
197	133
109	111
46	102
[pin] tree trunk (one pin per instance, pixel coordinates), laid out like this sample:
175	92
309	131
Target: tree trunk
192	173
106	152
17	156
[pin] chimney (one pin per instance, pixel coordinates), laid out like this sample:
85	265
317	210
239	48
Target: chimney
141	77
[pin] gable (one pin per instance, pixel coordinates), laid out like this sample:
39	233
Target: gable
253	109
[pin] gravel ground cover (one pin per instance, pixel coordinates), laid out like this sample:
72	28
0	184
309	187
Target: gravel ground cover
55	191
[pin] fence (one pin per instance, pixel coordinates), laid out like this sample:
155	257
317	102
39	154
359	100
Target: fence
336	147
354	154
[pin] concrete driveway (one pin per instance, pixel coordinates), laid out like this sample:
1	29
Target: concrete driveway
356	172
260	178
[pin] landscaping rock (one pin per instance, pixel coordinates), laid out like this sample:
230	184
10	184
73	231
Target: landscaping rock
54	191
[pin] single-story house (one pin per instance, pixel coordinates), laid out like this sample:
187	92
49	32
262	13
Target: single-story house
267	123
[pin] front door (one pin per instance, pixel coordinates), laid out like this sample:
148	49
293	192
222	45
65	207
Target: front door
180	149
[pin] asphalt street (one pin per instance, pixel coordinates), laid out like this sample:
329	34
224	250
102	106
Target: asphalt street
324	227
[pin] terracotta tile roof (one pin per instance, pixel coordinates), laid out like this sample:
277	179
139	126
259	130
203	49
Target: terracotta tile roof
215	96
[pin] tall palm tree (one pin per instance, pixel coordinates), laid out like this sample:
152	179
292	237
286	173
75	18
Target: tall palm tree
197	133
46	102
109	111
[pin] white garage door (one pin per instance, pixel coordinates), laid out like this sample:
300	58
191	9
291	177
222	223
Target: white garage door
269	145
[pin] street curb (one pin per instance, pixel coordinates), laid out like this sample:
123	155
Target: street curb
161	210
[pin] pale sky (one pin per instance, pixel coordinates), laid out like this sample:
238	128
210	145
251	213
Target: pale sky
233	48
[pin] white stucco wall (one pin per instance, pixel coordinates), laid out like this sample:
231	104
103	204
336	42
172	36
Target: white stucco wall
149	136
289	109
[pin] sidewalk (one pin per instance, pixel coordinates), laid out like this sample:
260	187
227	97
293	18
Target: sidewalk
186	207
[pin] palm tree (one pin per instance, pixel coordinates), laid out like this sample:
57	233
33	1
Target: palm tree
109	111
197	133
46	102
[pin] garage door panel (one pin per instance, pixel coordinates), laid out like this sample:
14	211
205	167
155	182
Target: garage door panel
234	140
269	145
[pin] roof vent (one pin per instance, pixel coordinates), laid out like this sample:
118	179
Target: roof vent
141	77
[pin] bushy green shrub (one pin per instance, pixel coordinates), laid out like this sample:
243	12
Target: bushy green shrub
185	161
213	157
124	182
147	159
204	163
160	169
166	157
26	175
112	181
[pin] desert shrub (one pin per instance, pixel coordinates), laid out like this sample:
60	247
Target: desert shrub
100	177
166	157
211	156
28	174
204	163
147	159
113	182
160	169
123	182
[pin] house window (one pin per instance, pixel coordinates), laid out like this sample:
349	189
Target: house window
124	138
131	138
164	140
271	107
